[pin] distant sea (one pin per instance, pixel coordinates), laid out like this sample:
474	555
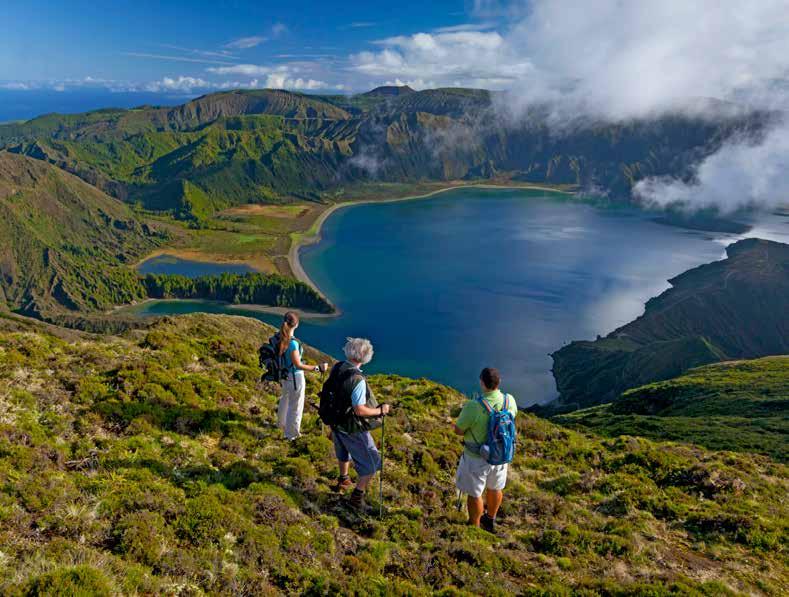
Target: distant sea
473	278
27	104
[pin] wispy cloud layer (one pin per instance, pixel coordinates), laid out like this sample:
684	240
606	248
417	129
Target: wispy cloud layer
171	58
244	43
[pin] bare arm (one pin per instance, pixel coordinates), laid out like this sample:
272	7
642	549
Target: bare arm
365	411
458	430
295	358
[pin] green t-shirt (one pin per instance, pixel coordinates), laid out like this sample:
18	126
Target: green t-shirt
473	418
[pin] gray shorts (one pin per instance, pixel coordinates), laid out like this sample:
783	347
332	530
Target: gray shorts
358	447
475	475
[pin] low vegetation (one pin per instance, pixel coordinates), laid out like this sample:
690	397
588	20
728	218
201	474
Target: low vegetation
740	405
151	464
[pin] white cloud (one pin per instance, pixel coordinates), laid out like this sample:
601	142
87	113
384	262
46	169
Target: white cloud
743	173
244	43
274	77
181	84
628	59
474	58
250	70
17	86
465	27
175	58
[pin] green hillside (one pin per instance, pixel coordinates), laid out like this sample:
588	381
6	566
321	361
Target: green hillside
730	309
740	405
231	148
67	254
64	244
150	464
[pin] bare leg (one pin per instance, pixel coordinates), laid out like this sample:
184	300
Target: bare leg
363	482
345	468
494	498
474	510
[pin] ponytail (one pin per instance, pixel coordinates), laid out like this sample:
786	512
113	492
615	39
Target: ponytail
289	323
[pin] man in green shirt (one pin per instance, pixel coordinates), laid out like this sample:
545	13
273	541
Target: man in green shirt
474	475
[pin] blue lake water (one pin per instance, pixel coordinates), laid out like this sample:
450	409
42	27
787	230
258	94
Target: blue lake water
169	264
472	278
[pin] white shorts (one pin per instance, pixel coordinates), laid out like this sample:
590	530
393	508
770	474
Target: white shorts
475	475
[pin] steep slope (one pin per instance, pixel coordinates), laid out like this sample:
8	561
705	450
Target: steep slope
265	145
64	245
730	309
151	464
738	405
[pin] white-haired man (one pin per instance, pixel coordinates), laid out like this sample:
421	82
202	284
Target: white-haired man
360	413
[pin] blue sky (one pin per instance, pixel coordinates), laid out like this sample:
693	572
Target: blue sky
178	46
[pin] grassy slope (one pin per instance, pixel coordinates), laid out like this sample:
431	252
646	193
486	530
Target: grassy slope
151	464
63	243
741	405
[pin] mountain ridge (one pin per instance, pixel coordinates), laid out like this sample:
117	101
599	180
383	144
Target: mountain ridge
251	146
729	309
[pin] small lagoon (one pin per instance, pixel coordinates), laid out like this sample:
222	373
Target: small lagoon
446	285
170	264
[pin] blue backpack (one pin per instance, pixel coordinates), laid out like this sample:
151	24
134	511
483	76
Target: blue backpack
499	447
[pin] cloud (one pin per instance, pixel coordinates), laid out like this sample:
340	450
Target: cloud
278	29
360	25
465	27
175	58
274	77
744	173
469	58
17	86
631	59
244	43
251	70
181	84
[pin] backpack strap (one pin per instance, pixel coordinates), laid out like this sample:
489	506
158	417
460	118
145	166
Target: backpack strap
485	404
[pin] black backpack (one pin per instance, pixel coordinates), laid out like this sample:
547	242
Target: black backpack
335	408
275	364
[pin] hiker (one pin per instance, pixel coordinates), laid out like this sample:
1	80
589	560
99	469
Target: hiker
291	403
475	473
351	411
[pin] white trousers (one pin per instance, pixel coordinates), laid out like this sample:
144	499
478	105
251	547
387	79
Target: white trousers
291	405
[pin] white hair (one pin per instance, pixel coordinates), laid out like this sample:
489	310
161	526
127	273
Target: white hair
359	350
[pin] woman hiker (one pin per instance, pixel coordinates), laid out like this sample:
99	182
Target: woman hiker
291	403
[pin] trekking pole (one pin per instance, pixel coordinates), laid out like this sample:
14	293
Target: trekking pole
381	480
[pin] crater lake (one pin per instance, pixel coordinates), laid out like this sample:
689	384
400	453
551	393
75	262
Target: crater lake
446	285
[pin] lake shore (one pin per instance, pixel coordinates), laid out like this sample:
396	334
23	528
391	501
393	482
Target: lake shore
313	234
271	310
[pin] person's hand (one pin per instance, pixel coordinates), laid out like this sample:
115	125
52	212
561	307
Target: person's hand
385	409
324	367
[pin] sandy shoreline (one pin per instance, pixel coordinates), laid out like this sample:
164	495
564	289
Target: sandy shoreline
313	235
119	309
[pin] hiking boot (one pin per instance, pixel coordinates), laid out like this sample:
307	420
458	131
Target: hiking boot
488	524
357	501
343	483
